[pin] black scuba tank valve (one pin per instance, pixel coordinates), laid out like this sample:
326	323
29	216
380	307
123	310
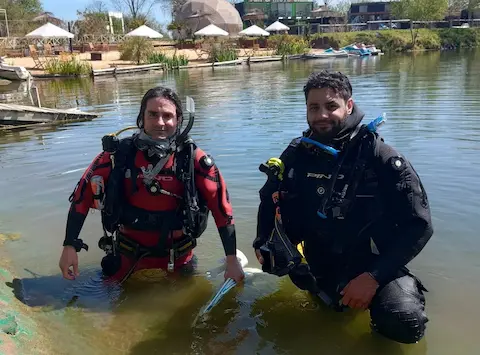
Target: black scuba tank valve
105	243
274	168
110	143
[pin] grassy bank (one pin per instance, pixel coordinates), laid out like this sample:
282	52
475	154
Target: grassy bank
401	40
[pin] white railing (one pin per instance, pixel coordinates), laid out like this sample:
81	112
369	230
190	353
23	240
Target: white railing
23	42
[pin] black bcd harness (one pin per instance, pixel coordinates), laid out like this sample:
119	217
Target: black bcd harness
191	215
336	205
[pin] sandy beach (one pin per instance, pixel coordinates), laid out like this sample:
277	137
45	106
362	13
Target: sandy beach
112	58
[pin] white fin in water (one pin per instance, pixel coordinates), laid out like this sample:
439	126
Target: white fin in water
242	259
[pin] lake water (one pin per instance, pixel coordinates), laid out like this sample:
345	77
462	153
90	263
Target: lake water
245	116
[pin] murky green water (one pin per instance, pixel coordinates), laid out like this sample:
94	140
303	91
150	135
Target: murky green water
246	115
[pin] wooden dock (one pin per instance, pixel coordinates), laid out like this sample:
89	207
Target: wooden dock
127	70
15	115
264	59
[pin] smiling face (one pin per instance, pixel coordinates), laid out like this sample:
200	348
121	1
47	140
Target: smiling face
160	118
326	112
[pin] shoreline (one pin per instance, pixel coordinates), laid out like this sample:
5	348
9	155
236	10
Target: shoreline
388	41
112	65
397	41
19	328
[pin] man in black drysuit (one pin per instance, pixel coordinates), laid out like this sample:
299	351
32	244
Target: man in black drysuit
361	213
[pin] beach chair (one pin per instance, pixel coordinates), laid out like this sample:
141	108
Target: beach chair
47	50
39	63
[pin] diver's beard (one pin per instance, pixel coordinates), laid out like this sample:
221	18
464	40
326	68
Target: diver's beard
324	136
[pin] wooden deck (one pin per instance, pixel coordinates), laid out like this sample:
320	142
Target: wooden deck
12	115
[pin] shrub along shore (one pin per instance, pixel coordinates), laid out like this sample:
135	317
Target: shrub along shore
401	40
139	51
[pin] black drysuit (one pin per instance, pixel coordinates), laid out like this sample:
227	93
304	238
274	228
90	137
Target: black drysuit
379	224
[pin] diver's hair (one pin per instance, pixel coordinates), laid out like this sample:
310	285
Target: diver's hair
336	81
155	92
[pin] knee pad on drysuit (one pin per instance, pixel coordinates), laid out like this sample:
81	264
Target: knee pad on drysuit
398	311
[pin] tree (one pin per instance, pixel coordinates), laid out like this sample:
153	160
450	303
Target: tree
20	13
97	7
456	6
173	5
342	7
94	19
472	6
135	8
420	10
29	6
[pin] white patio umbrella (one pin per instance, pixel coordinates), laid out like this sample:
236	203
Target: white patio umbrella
144	31
49	31
277	26
254	31
211	31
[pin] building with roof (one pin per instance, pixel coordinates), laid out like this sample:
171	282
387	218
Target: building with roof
197	14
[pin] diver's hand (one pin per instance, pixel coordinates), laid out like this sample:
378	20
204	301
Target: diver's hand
259	256
69	259
234	269
359	292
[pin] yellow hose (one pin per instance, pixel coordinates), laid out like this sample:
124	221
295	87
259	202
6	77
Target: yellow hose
123	130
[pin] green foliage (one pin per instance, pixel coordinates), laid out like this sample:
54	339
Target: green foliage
19	13
132	23
170	62
287	44
459	37
92	23
68	67
136	49
400	40
222	52
420	10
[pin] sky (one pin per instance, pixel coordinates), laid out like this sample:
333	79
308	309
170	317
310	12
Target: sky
67	9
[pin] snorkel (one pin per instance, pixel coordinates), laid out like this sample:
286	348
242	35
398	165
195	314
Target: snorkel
371	127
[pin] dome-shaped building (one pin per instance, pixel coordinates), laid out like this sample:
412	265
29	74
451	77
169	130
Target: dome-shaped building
196	14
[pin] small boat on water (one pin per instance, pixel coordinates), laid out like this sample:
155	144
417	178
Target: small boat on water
12	72
353	49
373	50
329	53
295	56
362	50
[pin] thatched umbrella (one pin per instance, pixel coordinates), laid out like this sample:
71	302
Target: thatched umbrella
46	17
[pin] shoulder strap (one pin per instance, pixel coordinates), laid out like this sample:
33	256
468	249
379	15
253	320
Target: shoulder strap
366	151
288	155
185	172
114	195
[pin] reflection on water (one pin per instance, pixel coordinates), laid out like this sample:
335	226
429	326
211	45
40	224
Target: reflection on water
246	115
